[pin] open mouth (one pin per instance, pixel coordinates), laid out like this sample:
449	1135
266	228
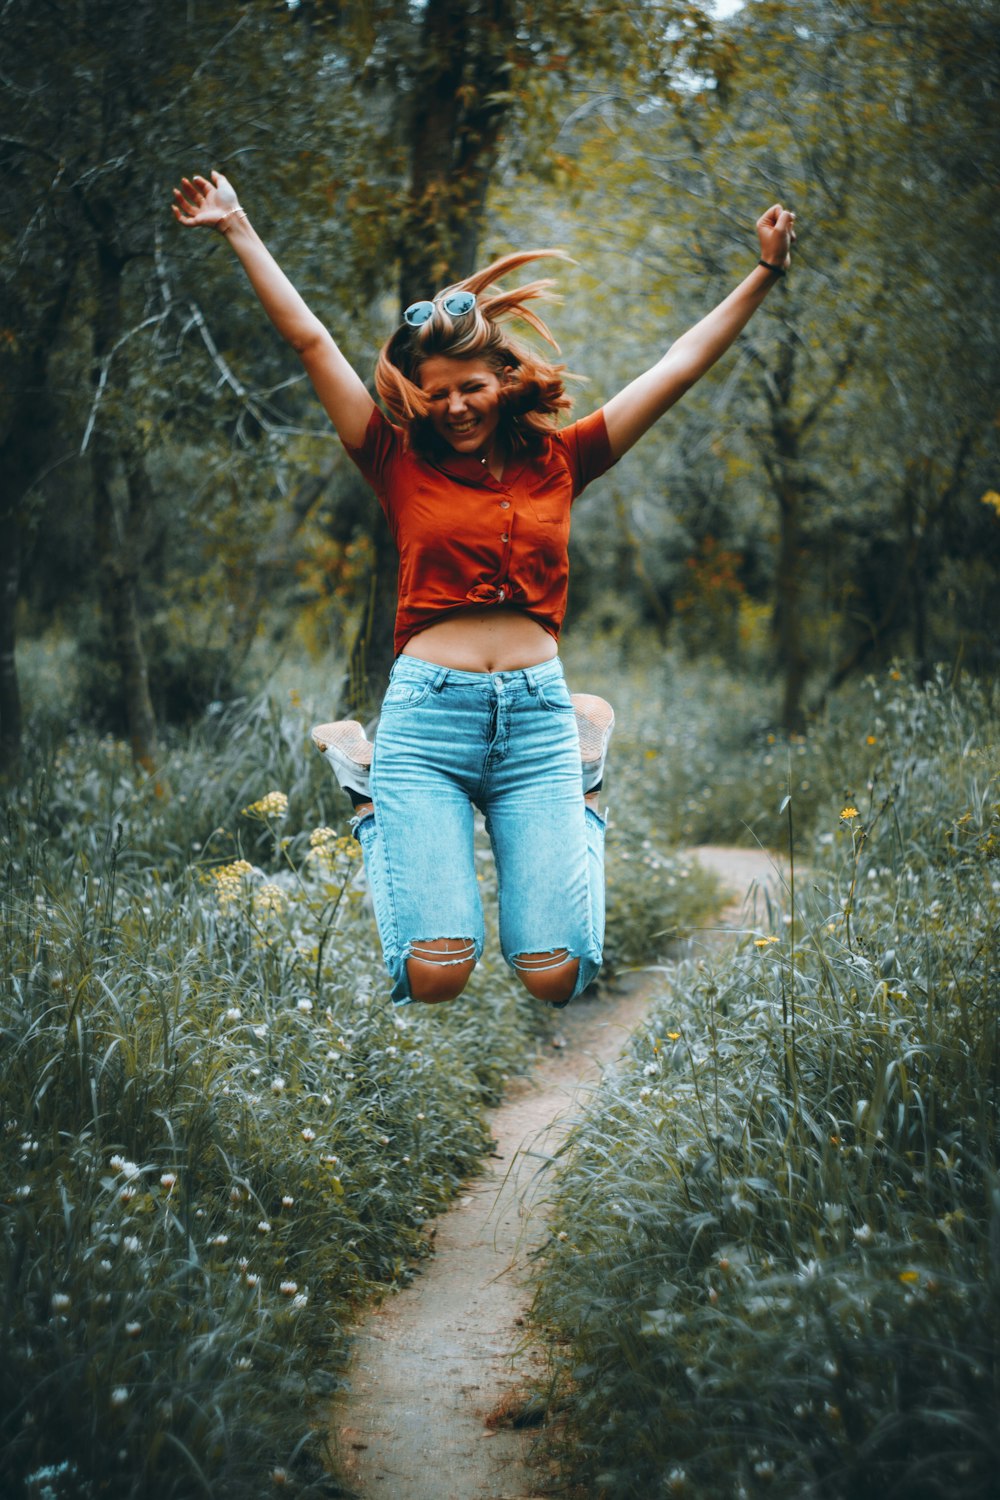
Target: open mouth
462	427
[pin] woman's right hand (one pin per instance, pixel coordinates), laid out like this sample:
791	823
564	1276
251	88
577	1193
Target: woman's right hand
198	201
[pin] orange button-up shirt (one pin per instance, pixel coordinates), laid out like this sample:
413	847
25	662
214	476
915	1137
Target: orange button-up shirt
467	539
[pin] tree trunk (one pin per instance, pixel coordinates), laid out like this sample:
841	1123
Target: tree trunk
10	696
117	527
456	112
783	470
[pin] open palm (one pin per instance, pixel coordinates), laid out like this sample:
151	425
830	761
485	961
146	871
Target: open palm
198	201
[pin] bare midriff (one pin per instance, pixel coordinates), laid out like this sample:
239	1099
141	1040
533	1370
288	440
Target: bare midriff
499	640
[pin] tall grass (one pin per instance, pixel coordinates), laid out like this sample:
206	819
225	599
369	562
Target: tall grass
774	1263
217	1137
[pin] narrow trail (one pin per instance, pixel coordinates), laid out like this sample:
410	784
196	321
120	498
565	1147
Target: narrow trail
436	1359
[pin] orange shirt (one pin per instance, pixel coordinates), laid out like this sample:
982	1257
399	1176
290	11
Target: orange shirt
465	538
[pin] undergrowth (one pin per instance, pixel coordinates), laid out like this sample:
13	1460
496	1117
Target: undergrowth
774	1260
218	1138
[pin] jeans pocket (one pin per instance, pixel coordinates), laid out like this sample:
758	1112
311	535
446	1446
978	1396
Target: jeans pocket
405	694
555	697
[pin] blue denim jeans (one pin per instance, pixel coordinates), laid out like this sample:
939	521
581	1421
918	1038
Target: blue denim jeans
505	742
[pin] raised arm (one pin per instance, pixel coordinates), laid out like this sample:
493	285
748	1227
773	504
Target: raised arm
634	410
215	205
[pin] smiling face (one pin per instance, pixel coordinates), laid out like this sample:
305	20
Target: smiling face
465	402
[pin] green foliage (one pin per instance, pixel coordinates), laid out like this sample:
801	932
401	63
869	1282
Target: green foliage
219	1136
773	1263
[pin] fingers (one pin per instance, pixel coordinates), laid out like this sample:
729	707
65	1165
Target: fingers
182	204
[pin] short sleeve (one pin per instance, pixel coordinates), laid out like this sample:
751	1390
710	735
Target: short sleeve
588	449
380	446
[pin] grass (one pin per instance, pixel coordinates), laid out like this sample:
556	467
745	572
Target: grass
218	1138
773	1267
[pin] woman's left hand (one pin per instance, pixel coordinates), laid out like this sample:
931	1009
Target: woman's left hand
776	232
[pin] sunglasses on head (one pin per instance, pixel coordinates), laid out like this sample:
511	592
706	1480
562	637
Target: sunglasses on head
456	305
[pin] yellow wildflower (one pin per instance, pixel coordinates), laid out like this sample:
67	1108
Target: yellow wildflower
909	1278
273	805
270	898
764	942
848	813
992	499
229	880
871	740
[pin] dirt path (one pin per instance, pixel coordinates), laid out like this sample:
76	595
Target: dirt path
438	1358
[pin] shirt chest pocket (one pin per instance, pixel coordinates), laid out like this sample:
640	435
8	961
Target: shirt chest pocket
549	497
549	507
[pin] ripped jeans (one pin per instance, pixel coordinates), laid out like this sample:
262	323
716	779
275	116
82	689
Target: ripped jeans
507	743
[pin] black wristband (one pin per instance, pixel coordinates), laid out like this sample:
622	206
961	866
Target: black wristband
778	270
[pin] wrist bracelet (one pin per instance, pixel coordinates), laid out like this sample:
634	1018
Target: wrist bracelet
778	270
234	213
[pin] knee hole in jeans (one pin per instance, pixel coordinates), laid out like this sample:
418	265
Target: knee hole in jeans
548	976
438	969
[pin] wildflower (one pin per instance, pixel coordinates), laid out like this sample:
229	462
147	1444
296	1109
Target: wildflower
909	1278
992	499
244	1363
764	942
251	1278
234	1013
421	1115
673	1036
168	1180
279	1477
219	1239
308	1135
133	1330
288	1288
848	813
60	1302
127	1194
645	1095
651	1069
277	1085
264	1227
305	1006
273	805
270	898
119	1395
125	1168
300	1301
287	1201
229	880
22	1192
131	1243
871	740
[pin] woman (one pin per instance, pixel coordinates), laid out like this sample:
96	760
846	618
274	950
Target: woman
477	483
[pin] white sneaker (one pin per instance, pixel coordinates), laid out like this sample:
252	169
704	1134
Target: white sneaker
595	719
349	751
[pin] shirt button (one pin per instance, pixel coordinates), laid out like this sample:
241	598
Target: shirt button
505	537
505	505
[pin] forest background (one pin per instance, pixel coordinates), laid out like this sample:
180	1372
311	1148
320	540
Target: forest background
176	512
776	1269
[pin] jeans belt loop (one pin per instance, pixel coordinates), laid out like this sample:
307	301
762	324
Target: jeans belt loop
529	678
440	680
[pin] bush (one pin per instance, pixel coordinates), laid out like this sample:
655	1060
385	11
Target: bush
773	1266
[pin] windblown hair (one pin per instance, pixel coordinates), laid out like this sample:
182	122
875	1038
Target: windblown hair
534	392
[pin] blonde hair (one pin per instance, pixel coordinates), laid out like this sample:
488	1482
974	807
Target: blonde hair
534	391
